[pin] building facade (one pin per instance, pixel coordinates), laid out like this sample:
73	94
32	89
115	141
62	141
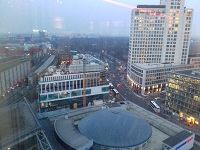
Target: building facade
70	84
151	78
146	34
183	95
13	71
159	34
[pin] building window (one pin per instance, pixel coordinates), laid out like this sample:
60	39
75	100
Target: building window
53	96
71	85
64	95
105	89
76	93
78	84
88	91
43	97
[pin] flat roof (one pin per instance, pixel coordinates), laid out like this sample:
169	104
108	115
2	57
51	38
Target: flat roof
85	58
79	64
7	63
153	65
194	54
16	122
151	6
45	64
195	73
179	137
112	105
156	66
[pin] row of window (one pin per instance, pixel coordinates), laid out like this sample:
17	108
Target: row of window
70	85
69	94
156	50
70	76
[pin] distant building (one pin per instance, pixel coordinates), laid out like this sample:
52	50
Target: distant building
11	50
13	71
194	59
194	47
37	50
150	78
183	95
68	84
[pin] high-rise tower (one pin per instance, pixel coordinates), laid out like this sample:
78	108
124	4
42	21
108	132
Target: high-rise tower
159	34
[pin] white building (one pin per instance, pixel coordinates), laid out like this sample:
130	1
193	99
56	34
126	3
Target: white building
159	34
67	85
13	71
183	140
150	78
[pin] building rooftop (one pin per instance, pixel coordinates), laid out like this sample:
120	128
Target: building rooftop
151	6
195	73
174	140
45	64
194	55
17	122
80	63
7	63
153	65
88	59
149	66
115	127
67	132
112	105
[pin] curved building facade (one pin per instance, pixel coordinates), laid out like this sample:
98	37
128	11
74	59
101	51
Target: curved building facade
115	128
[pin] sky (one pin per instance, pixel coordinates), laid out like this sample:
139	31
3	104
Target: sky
76	16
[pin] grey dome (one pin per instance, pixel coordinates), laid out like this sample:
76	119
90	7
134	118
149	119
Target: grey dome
115	128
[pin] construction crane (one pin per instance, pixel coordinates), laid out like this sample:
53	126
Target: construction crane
84	83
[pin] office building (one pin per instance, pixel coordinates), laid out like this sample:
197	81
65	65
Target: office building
71	85
151	78
183	95
159	34
13	71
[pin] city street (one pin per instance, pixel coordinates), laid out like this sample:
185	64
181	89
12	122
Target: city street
117	78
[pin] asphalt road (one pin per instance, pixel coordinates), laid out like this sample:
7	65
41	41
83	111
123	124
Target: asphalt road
116	77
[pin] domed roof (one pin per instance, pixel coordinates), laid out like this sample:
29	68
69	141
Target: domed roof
115	127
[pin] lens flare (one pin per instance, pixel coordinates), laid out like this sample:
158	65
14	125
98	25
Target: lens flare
119	4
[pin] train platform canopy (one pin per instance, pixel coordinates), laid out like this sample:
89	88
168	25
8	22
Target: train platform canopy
16	124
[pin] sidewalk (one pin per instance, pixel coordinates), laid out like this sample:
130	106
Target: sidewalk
139	96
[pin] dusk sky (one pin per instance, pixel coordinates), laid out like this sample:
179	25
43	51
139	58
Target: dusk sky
75	16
